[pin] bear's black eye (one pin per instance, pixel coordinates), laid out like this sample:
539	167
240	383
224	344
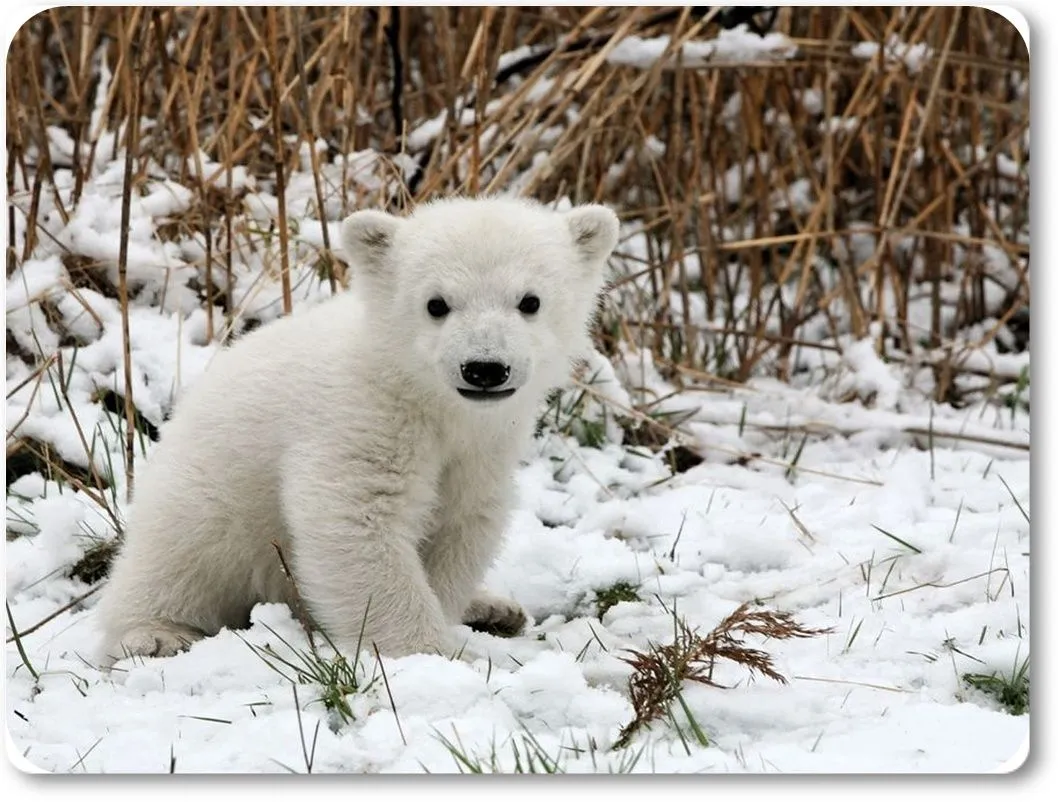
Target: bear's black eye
437	307
529	305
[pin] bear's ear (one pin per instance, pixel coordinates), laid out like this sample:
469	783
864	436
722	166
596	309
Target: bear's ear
594	230
367	237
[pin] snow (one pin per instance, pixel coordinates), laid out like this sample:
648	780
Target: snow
735	175
869	375
505	60
202	167
913	56
735	45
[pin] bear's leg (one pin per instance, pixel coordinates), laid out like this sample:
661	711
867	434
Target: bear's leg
353	537
456	560
156	606
371	592
176	579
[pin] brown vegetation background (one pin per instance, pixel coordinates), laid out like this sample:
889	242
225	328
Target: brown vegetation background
908	153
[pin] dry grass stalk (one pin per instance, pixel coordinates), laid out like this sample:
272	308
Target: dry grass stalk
658	432
298	606
16	636
280	167
134	42
658	674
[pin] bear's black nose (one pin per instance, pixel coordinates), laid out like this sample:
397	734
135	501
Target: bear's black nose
485	375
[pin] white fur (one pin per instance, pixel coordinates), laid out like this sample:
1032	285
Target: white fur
339	433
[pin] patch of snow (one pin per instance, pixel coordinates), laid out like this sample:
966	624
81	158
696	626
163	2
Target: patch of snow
913	56
734	45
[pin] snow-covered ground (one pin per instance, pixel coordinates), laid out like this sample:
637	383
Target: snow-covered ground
916	557
844	498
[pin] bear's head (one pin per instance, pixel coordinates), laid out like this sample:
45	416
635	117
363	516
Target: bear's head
484	299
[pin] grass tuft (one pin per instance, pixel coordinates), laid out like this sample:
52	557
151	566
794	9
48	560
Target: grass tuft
526	755
1011	690
94	565
336	676
618	592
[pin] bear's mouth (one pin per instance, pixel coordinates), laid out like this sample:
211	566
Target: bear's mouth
486	395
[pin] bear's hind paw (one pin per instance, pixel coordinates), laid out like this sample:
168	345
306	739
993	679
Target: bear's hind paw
156	640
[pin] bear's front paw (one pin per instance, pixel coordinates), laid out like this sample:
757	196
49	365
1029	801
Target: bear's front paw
495	615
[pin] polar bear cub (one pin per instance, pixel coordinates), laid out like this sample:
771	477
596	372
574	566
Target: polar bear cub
372	437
